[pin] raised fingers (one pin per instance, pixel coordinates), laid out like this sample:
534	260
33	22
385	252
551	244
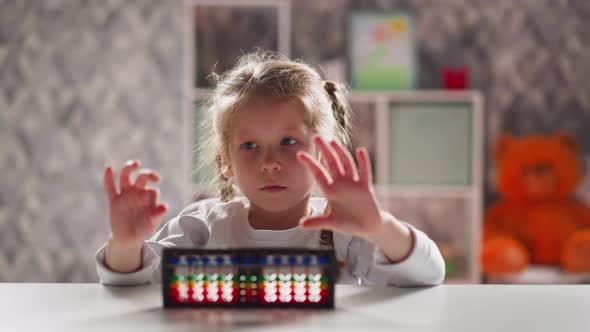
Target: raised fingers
109	183
159	210
144	176
346	159
125	177
318	171
365	173
150	197
333	163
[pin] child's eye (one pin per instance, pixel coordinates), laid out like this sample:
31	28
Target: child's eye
288	141
249	145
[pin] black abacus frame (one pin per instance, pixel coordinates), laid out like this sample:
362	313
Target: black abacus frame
329	271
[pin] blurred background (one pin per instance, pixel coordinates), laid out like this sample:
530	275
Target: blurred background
86	83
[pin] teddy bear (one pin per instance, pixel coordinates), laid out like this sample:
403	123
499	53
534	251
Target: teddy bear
537	219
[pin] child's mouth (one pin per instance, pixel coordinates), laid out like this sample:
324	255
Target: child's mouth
273	189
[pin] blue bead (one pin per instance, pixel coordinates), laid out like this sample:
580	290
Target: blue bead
174	260
292	260
219	260
205	260
307	260
323	260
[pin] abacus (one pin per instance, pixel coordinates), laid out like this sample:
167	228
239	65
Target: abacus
248	277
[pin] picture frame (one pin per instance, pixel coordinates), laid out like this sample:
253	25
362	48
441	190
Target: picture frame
213	44
381	51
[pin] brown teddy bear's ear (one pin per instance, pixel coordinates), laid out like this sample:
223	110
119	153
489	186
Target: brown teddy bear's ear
567	140
504	141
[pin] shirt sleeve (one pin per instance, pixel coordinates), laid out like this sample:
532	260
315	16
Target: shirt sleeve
182	231
424	266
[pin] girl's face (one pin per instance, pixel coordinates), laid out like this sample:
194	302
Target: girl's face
261	158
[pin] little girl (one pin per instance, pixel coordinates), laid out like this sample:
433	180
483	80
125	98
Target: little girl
276	131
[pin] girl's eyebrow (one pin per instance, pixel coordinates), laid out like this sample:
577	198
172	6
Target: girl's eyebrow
294	130
245	133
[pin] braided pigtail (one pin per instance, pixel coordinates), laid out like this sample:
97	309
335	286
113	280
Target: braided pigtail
340	109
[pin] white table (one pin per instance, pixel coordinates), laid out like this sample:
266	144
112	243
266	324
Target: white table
93	307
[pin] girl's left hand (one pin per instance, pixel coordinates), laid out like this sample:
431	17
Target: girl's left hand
352	204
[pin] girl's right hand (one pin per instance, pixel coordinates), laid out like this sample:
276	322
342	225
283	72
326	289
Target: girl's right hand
135	212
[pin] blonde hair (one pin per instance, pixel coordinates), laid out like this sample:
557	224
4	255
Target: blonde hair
269	74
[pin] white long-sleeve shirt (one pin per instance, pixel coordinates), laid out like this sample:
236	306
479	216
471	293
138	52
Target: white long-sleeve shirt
212	223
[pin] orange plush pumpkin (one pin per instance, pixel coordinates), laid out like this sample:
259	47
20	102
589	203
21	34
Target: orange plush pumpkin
537	219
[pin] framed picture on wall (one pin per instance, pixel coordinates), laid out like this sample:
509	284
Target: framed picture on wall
381	51
222	30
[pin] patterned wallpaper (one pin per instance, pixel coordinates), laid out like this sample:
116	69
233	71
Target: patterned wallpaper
84	83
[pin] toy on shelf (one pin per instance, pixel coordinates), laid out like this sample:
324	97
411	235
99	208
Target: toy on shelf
538	220
448	254
455	78
249	278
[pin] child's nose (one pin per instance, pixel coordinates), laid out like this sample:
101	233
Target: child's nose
268	166
270	163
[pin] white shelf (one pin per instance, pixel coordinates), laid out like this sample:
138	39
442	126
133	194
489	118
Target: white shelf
472	192
425	191
415	95
382	100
